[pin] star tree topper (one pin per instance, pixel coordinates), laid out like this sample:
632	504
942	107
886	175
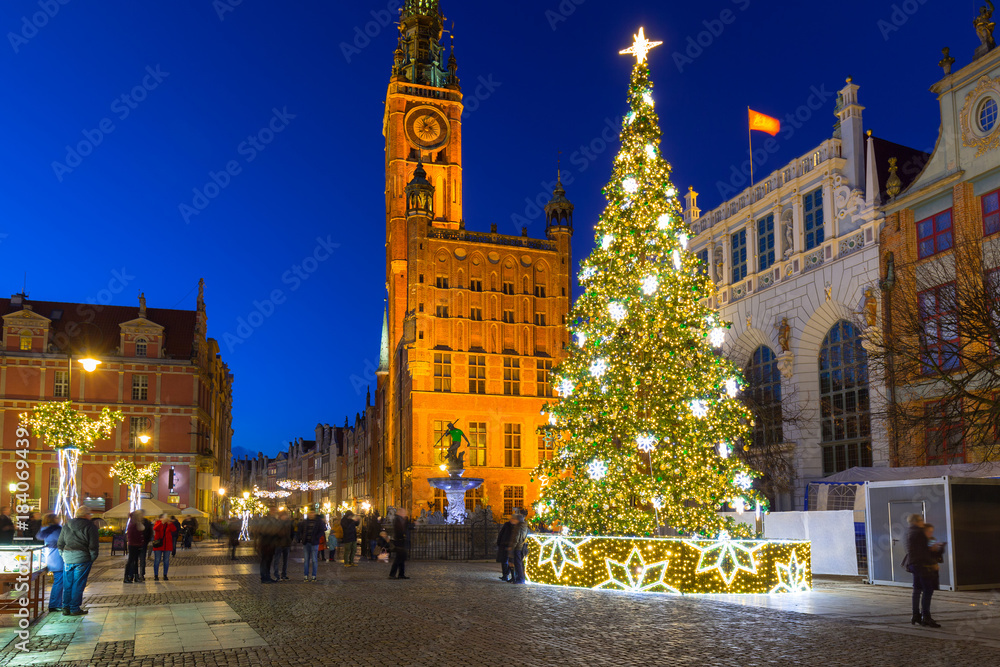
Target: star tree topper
640	47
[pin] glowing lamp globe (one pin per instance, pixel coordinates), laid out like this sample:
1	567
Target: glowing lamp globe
144	439
90	365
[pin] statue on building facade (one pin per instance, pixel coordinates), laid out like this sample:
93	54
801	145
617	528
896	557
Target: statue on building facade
871	308
785	335
984	29
787	233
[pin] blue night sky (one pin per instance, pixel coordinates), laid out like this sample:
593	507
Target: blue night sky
539	76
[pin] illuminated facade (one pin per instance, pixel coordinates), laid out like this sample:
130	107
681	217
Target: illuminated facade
157	366
795	262
475	320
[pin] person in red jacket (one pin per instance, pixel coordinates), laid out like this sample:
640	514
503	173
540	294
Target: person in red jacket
134	540
164	535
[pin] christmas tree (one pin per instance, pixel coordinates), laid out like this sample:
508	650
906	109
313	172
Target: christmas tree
648	415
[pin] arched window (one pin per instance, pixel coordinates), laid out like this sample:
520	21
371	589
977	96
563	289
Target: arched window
763	397
845	412
140	347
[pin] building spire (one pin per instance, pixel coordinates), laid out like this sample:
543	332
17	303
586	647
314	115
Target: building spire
383	357
421	26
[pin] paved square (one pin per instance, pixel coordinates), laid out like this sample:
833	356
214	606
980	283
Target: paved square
215	612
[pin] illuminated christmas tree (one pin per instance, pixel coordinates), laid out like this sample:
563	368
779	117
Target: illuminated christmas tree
649	413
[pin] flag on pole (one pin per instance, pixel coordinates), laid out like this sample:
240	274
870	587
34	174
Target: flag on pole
759	121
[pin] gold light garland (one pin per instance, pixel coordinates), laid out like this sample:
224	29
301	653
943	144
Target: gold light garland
670	565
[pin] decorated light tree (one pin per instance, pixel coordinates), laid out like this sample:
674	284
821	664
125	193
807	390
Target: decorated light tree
70	433
247	506
648	414
135	477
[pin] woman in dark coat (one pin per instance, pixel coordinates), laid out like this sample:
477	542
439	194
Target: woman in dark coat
503	557
922	561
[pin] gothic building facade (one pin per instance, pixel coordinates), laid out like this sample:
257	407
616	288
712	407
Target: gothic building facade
474	320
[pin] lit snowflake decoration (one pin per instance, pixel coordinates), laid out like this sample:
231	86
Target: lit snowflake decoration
636	575
597	469
663	222
725	450
671	193
552	419
649	285
743	480
650	151
598	368
727	557
581	338
739	505
566	387
589	272
646	442
606	241
677	260
541	508
683	240
732	387
657	502
559	552
630	185
791	576
617	311
717	336
647	97
699	408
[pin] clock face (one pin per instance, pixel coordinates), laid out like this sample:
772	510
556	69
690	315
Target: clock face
427	128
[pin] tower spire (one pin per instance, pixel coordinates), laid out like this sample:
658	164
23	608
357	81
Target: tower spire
421	26
383	357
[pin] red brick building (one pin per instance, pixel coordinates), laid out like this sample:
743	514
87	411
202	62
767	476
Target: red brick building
157	366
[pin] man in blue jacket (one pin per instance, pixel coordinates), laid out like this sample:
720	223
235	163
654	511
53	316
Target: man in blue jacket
79	547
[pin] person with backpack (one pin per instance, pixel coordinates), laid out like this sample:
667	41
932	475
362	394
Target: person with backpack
350	526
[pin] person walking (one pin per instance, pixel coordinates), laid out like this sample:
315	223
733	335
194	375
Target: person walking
34	525
134	543
372	529
147	537
310	530
267	541
234	529
350	526
922	561
177	534
188	525
335	537
503	536
518	534
322	537
6	527
400	525
282	546
164	544
79	547
49	535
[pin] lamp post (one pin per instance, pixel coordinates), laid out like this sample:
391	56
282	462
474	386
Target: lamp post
69	457
12	487
219	502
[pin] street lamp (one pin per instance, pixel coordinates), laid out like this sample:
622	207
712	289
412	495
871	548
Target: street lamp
90	365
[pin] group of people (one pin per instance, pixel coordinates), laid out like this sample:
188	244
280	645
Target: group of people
512	548
143	536
70	552
272	537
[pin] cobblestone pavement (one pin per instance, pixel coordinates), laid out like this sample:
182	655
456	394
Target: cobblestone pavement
214	612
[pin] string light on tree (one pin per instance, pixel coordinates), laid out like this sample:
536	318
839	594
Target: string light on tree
647	368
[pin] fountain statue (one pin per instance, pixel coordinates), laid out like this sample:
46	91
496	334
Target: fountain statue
455	485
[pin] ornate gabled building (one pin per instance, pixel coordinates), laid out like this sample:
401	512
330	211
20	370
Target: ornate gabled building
940	265
795	262
157	366
475	320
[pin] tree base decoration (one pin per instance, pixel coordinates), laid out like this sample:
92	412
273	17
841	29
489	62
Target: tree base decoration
670	565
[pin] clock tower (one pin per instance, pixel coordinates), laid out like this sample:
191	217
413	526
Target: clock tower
422	124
